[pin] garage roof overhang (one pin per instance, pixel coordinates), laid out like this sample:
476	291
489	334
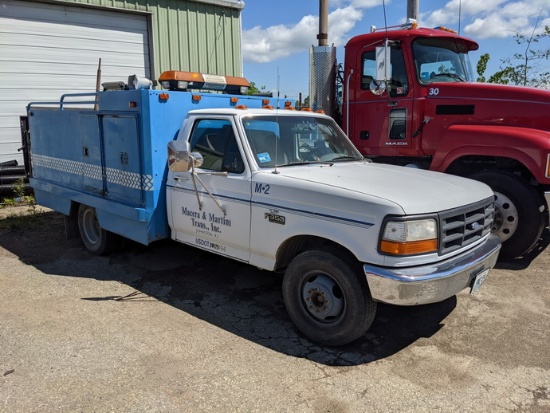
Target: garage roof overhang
236	4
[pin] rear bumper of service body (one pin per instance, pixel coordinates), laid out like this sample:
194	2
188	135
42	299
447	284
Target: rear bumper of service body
432	283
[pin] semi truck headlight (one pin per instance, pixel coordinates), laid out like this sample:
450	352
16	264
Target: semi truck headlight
409	237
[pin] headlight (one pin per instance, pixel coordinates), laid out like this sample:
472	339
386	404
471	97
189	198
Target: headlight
409	237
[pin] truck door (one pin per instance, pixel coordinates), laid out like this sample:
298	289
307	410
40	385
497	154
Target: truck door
380	124
211	210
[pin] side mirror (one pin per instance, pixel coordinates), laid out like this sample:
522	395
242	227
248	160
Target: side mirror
377	87
179	158
383	70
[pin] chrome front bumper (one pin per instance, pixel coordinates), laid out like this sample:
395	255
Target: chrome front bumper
431	283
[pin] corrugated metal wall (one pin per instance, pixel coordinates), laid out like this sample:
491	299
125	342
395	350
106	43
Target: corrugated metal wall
190	35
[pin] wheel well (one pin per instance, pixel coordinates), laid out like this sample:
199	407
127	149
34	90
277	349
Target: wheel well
71	222
468	165
298	244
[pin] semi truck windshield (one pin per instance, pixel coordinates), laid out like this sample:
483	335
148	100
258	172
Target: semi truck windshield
441	60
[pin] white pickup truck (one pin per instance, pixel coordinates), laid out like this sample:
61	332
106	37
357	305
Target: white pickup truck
280	189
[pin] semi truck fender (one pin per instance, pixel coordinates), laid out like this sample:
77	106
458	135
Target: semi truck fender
528	146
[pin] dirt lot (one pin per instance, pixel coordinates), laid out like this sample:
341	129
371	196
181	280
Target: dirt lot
168	328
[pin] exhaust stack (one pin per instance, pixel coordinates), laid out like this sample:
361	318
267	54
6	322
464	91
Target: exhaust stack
322	68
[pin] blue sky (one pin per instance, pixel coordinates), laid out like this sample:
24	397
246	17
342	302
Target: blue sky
277	35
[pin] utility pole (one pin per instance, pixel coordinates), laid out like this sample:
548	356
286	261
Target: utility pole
412	9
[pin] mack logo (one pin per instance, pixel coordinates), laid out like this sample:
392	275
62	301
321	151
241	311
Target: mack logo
276	219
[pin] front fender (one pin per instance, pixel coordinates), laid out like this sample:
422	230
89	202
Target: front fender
528	146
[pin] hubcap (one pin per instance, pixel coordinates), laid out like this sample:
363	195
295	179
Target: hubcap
506	217
323	297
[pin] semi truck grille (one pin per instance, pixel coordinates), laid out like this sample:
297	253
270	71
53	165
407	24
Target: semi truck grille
462	226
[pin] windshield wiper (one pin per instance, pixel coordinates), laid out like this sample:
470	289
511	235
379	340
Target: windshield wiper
305	163
345	158
451	75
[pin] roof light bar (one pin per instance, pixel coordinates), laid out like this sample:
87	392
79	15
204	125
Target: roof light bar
177	80
446	29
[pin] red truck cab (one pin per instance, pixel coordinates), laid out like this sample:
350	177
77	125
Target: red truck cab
430	113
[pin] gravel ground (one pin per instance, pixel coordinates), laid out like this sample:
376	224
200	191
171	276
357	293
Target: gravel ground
169	328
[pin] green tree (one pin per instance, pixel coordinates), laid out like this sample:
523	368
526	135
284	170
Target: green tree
305	103
527	69
482	67
254	89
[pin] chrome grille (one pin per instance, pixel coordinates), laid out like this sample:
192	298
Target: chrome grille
460	227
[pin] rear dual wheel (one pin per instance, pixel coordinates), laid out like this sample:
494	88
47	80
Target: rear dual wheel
326	299
96	239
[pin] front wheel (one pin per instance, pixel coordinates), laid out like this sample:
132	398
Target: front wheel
326	299
519	212
96	239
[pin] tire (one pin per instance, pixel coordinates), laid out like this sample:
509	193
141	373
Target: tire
327	301
96	239
519	212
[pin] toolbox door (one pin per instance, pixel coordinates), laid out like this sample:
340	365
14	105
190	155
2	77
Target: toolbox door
123	169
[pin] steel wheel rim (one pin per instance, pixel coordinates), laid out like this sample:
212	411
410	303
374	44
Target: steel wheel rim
323	298
506	218
91	226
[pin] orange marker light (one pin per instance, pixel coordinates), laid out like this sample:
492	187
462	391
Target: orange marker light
408	248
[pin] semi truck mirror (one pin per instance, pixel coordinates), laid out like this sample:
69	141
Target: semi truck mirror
377	87
383	70
383	67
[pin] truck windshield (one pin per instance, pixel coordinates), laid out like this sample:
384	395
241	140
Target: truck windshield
442	60
279	140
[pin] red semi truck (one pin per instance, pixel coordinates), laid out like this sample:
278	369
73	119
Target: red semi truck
408	97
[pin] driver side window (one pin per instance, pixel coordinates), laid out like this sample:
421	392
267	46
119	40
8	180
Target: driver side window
215	140
398	84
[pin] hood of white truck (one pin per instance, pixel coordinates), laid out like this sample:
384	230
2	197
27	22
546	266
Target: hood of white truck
414	191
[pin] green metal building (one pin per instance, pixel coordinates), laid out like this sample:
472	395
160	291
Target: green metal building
48	48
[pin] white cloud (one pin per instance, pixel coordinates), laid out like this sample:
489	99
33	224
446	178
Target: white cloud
479	19
265	45
367	4
491	18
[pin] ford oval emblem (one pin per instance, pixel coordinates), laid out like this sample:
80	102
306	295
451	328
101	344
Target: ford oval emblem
474	226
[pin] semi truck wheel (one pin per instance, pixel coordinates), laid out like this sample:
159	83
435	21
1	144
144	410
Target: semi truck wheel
519	213
326	299
96	240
